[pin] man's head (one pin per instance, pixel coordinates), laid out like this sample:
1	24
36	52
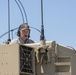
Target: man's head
24	31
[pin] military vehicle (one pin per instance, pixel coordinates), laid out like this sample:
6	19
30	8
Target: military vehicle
50	58
42	58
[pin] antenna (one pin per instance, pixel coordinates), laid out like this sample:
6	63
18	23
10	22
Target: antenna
42	37
20	10
24	11
9	22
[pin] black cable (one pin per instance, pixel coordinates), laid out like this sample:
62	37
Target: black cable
7	32
17	28
20	10
35	29
24	11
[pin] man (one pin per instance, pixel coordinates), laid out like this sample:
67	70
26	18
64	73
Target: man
23	34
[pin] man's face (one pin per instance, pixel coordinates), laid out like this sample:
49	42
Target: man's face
24	33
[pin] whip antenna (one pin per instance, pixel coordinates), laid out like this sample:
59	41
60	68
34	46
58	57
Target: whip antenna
20	11
42	37
24	11
9	21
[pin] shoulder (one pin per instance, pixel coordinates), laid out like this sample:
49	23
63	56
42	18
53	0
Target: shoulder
14	41
30	41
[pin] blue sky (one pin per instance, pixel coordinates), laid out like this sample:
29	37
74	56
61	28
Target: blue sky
59	18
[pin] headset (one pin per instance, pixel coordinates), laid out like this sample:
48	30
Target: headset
18	32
